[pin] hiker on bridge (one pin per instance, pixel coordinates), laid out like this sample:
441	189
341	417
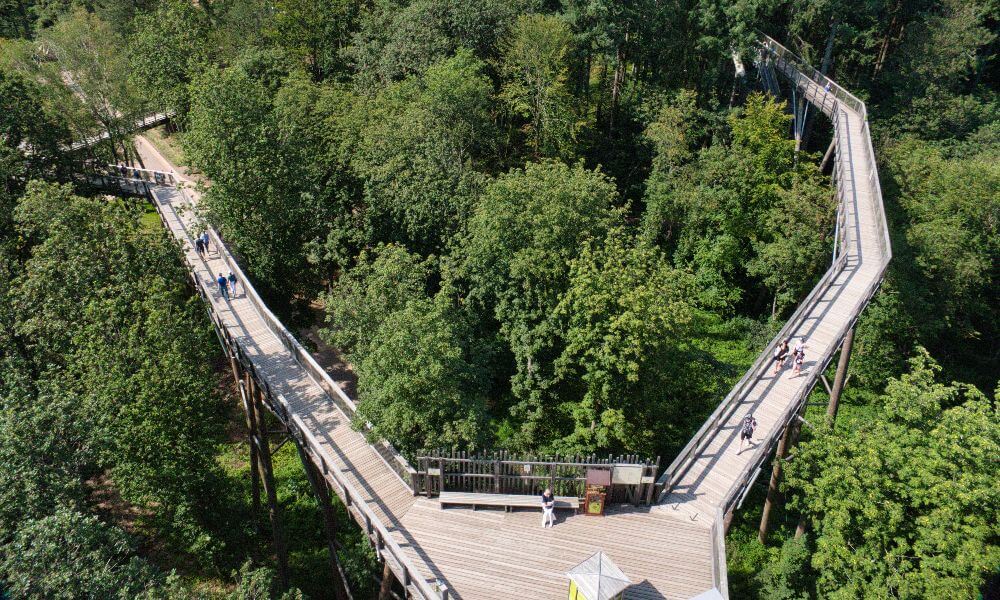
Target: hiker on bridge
199	246
780	354
799	356
746	430
223	286
232	283
548	508
204	240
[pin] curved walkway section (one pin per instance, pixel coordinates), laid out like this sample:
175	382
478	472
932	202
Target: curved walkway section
710	475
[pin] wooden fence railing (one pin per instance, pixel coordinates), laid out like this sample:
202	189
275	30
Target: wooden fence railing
632	479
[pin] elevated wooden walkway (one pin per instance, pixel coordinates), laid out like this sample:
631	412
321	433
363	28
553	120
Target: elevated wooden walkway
141	124
673	549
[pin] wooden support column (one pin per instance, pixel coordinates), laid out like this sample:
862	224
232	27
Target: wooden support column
773	495
829	154
385	589
839	379
322	493
264	455
245	385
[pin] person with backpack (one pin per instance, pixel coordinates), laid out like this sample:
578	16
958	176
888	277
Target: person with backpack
780	354
232	283
223	286
199	246
204	240
799	356
746	430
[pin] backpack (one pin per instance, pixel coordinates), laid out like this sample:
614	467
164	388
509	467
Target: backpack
748	424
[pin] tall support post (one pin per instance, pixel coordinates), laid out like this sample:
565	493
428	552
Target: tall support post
838	381
773	495
829	154
385	589
264	454
245	384
322	494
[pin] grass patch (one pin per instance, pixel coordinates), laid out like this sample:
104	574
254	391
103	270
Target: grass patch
150	219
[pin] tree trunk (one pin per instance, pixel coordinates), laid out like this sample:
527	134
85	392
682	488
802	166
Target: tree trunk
277	528
839	379
827	61
617	81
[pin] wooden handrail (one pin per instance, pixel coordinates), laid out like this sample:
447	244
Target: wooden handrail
395	461
352	500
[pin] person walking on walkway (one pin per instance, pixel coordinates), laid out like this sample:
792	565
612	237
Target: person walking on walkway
548	508
223	286
204	240
799	356
232	283
746	430
199	246
780	354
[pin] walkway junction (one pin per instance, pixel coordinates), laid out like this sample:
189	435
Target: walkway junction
662	533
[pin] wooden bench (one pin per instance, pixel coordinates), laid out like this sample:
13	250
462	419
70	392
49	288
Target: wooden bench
508	501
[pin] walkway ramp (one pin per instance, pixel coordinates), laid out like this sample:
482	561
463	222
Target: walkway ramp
141	124
710	474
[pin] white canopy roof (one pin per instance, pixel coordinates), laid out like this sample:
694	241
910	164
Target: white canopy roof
598	578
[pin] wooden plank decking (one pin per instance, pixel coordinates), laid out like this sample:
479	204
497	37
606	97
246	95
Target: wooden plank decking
669	550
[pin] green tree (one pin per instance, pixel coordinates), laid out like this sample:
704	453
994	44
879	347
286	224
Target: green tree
104	304
416	147
165	48
315	32
399	38
91	61
796	245
625	313
905	504
535	73
704	211
45	452
383	282
69	555
789	577
421	385
259	584
526	228
257	198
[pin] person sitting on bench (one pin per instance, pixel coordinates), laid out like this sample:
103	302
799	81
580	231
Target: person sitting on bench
548	508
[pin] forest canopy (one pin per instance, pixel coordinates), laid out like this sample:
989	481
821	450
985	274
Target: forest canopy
541	227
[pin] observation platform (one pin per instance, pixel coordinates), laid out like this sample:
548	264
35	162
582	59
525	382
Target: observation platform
671	550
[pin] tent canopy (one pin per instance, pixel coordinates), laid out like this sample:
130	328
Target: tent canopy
598	578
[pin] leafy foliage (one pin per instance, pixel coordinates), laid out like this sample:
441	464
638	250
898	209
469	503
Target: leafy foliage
72	555
902	504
